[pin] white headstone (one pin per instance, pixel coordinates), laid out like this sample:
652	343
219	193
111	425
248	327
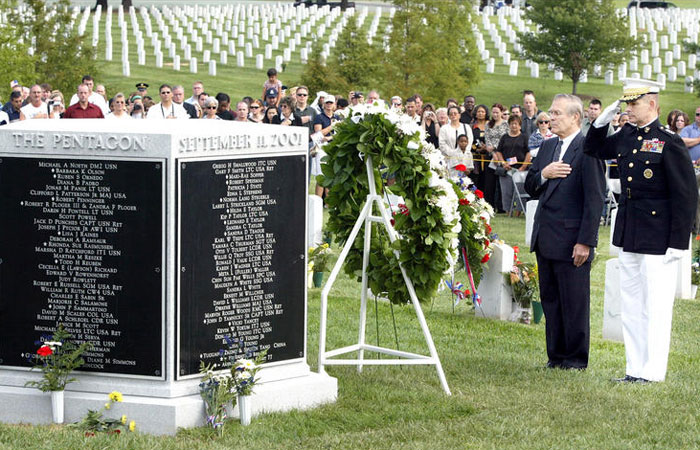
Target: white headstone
268	51
612	323
672	73
513	70
223	57
534	70
212	68
597	70
193	65
216	45
654	49
668	59
609	77
278	63
646	71
661	79
644	56
275	43
141	57
496	297
558	75
664	42
315	221
530	211
692	60
240	59
231	48
126	70
241	40
656	65
188	52
506	59
198	44
622	70
176	62
584	77
681	68
634	64
108	51
206	56
676	51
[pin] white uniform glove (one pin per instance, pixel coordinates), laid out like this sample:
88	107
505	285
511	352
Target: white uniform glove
672	254
607	115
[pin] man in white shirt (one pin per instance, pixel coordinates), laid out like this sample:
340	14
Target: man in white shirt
197	88
94	98
35	109
167	109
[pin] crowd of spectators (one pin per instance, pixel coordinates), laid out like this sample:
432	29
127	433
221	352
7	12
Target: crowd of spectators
496	144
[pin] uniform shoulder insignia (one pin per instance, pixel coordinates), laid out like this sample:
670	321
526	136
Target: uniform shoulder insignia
667	130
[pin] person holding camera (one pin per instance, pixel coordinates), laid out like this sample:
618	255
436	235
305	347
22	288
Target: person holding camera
430	125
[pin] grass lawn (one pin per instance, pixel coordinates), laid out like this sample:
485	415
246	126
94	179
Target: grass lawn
502	397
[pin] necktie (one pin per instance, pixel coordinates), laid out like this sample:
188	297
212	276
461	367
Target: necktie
557	151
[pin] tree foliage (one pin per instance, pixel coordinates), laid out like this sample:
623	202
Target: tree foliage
15	58
317	75
575	35
431	49
355	61
61	57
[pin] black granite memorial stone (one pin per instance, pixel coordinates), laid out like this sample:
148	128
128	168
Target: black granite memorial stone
81	244
242	258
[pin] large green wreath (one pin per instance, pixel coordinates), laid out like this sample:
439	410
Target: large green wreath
429	246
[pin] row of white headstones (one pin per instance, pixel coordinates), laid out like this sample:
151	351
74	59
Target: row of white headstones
231	30
660	30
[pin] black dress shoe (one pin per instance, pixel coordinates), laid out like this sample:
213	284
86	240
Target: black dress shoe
551	365
627	379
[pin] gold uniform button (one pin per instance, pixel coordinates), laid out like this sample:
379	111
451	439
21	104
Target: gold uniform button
639	138
646	162
646	130
629	178
653	213
619	154
631	164
634	151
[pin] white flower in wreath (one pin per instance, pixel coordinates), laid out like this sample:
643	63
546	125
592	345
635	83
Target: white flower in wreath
457	227
243	375
447	208
413	145
393	116
470	197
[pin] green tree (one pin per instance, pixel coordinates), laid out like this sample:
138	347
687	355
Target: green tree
317	75
61	56
355	62
15	59
575	35
431	49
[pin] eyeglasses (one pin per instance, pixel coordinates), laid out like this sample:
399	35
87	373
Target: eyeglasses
254	107
210	107
118	102
165	92
543	121
697	114
302	95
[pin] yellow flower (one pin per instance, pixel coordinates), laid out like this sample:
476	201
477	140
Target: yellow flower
132	425
124	419
115	396
107	405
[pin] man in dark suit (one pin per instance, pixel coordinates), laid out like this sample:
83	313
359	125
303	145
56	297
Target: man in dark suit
654	220
569	186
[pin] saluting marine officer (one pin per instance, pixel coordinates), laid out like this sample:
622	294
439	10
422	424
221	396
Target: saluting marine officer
653	224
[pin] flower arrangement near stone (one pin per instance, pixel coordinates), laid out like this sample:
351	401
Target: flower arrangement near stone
244	372
57	357
217	391
320	258
523	280
695	268
438	219
96	422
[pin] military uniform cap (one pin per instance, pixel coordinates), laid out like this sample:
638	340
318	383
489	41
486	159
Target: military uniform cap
634	88
141	85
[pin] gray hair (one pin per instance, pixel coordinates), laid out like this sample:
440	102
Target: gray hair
211	101
542	115
574	105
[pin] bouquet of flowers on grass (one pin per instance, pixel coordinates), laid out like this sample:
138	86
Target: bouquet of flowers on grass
216	389
523	280
320	257
96	422
57	357
695	268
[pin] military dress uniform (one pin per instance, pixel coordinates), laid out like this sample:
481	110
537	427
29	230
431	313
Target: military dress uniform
655	212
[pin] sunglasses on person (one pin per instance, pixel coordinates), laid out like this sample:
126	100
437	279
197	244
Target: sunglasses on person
697	114
254	107
165	92
210	107
543	121
302	95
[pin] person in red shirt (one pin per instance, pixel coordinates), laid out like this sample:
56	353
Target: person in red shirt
83	109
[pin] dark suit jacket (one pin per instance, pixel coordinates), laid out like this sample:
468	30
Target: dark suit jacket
570	208
191	110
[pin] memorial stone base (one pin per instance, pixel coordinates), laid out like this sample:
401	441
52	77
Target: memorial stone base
496	297
154	245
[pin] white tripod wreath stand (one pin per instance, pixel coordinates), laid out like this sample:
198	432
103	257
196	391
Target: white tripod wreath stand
325	358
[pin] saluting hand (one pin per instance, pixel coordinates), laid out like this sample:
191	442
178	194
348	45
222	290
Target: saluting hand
556	169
